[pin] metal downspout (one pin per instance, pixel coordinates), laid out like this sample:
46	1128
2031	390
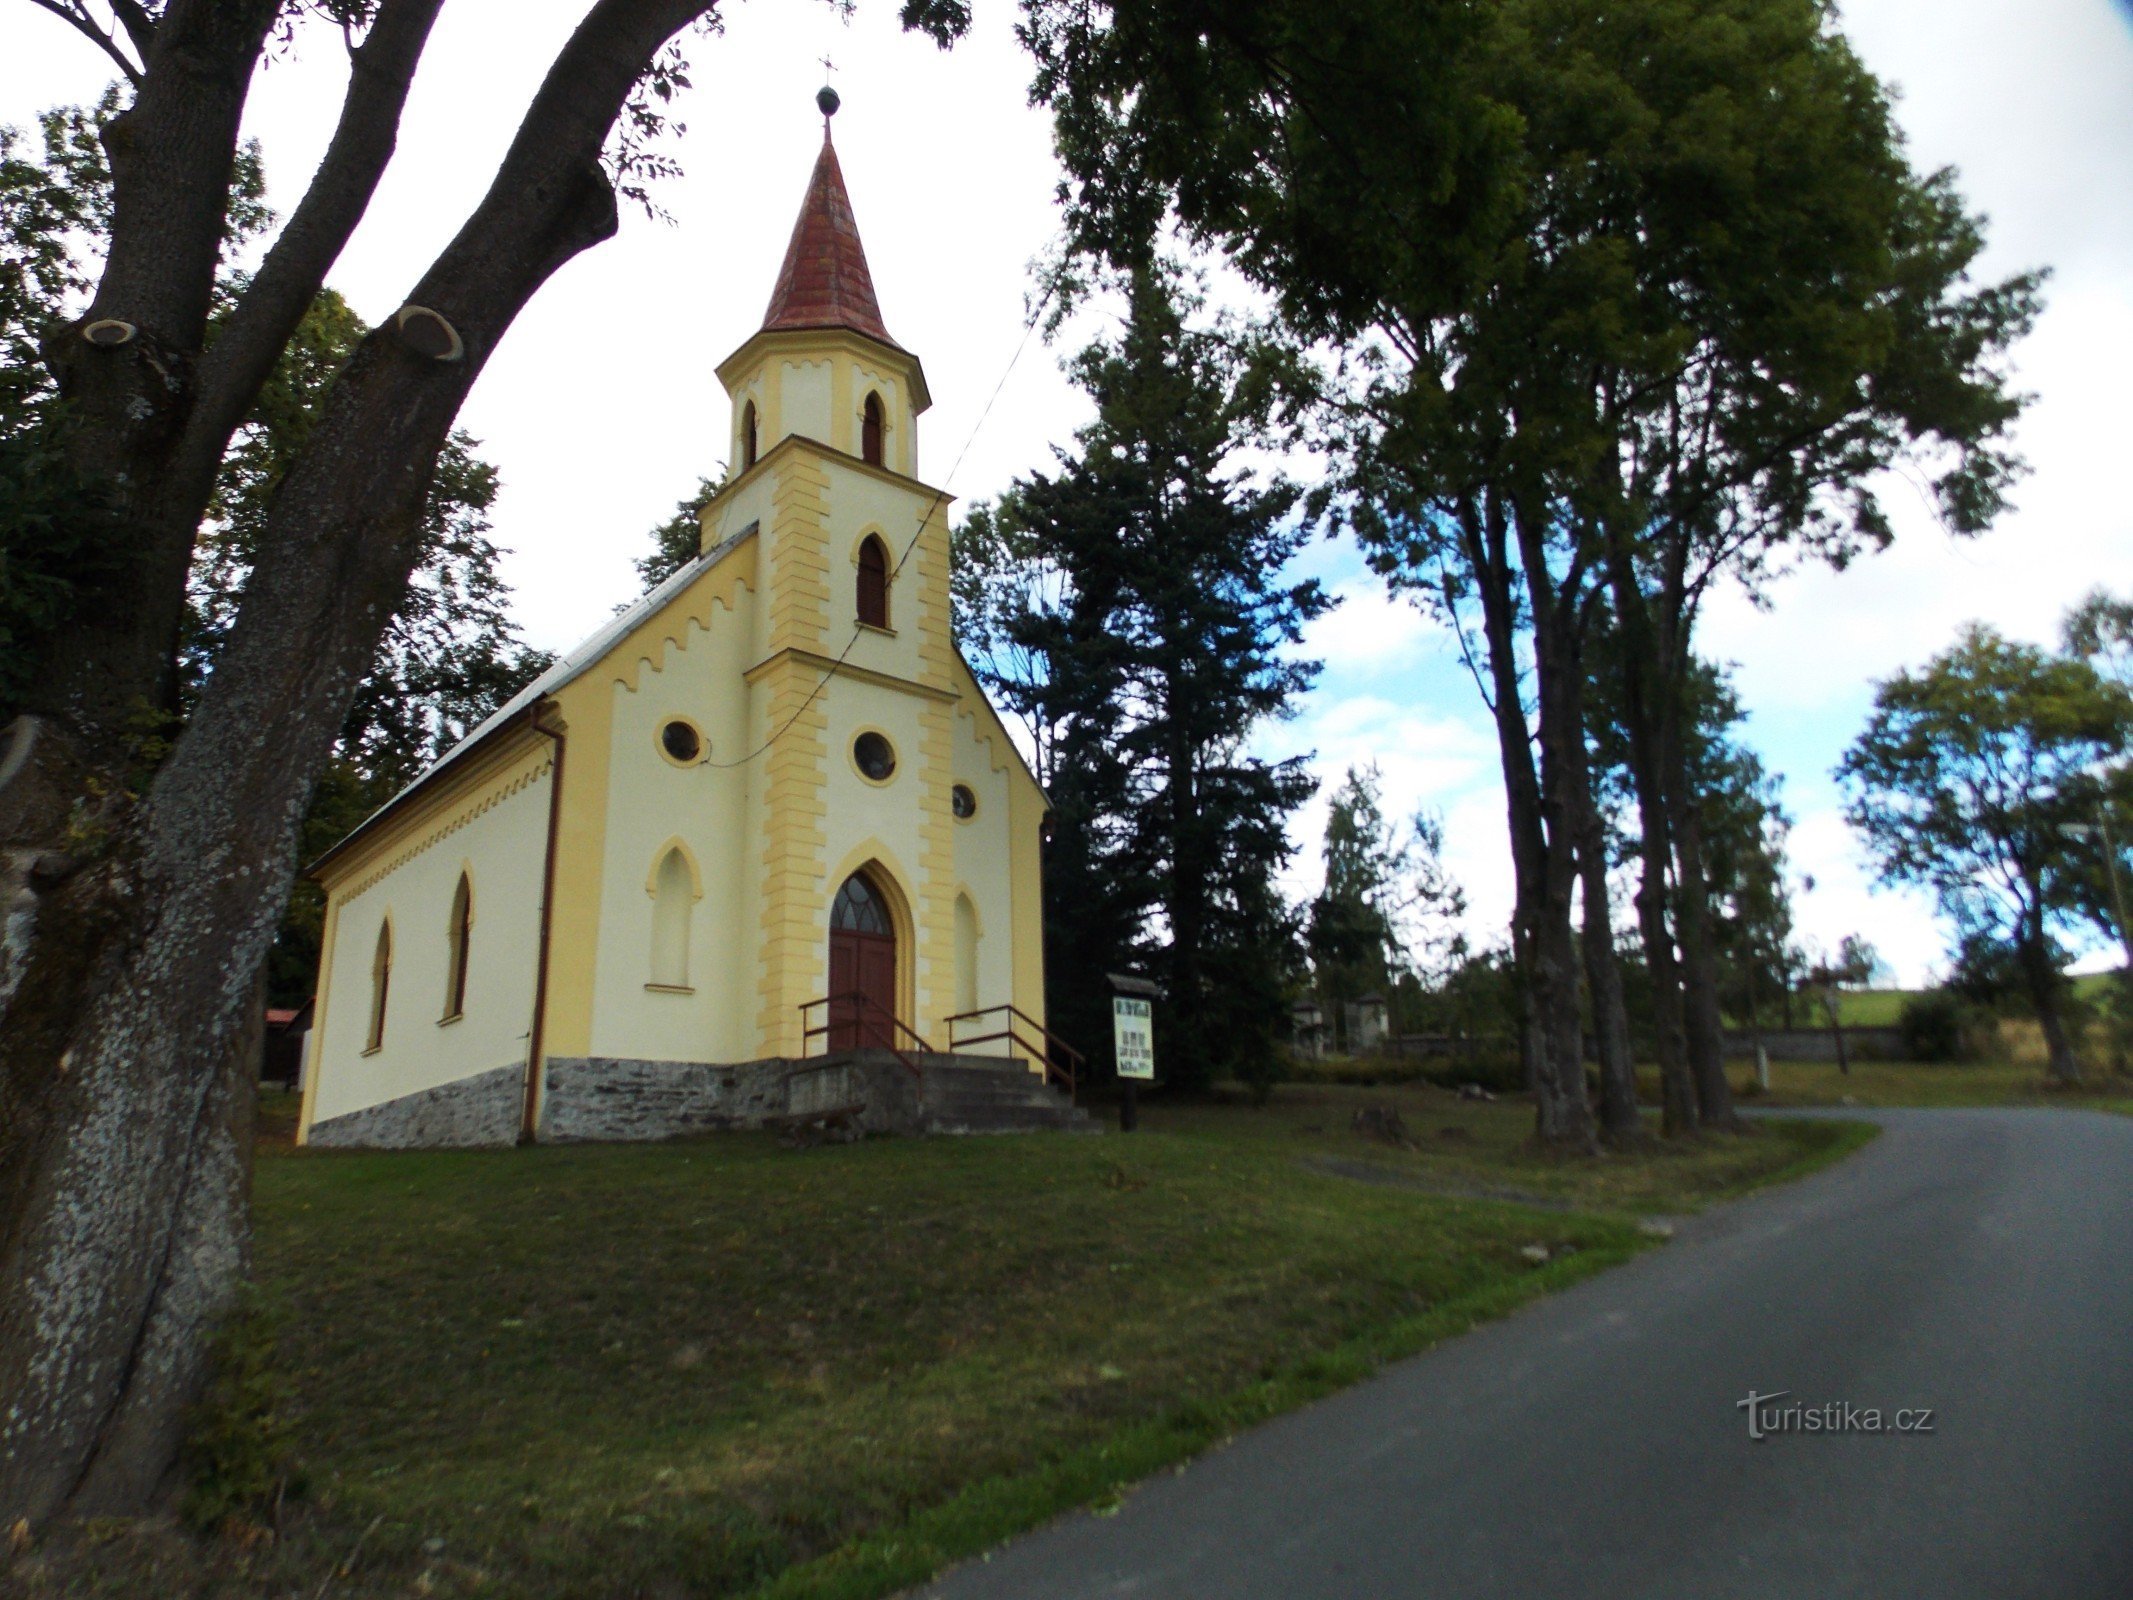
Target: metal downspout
529	1110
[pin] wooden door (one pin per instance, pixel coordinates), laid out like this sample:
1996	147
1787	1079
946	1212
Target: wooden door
862	968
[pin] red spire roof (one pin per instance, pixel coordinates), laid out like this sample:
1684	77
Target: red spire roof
824	282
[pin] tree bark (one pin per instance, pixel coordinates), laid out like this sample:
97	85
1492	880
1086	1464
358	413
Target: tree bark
1643	678
1699	949
1836	1027
1538	812
171	154
2043	981
137	928
1619	1118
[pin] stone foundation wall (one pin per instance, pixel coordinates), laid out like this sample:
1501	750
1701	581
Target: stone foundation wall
605	1098
483	1110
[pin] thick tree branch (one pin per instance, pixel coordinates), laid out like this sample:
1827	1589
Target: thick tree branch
85	25
381	70
206	872
139	25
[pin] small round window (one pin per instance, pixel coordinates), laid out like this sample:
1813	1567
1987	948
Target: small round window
681	741
874	756
964	801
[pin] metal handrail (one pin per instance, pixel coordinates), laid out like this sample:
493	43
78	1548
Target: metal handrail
868	1007
1068	1069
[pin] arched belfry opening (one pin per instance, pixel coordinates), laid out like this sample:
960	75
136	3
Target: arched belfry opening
862	966
871	423
873	582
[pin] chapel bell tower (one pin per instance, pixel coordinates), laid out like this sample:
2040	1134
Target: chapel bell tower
823	366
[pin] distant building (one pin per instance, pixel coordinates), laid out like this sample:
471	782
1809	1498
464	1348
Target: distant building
770	782
281	1049
1366	1024
1307	1026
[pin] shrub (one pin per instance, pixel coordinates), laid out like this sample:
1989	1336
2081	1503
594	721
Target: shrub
1936	1026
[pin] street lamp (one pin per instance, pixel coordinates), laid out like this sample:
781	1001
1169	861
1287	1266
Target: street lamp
2101	830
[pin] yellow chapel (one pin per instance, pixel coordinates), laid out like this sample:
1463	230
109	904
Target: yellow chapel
758	850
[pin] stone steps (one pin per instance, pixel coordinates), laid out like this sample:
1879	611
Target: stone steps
961	1095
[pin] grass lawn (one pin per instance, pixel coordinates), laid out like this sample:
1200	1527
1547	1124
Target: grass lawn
724	1367
1887	1083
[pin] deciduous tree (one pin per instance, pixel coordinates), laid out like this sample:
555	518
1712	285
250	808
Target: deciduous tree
1963	783
143	878
1657	312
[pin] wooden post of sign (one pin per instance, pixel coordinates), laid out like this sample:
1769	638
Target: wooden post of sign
1132	1042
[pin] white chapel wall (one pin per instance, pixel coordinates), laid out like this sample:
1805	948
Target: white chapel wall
804	399
982	864
695	673
501	849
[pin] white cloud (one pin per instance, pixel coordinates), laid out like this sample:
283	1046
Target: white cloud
1426	760
1369	628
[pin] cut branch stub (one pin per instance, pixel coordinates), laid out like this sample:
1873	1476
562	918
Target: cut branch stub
428	334
109	331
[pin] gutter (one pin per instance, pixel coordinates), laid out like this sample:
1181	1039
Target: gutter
530	1105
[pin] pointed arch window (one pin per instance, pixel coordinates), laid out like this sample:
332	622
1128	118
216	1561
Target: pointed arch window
458	933
747	436
673	899
966	955
872	421
874	582
381	978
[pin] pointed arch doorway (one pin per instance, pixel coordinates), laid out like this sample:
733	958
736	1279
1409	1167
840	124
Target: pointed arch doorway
862	967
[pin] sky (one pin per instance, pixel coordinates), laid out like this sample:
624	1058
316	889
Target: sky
602	410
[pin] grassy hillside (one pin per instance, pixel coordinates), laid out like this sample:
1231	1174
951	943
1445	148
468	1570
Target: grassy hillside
725	1367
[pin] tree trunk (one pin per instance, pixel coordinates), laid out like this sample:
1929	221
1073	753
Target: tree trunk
137	928
1539	814
151	418
1648	700
1699	948
2043	981
1191	1048
1619	1117
1836	1028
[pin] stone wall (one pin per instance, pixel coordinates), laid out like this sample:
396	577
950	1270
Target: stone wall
603	1098
1816	1044
471	1112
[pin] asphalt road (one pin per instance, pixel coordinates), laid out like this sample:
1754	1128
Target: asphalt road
1979	1263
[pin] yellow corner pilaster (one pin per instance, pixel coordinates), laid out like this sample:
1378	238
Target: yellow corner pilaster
316	1042
587	719
799	587
791	965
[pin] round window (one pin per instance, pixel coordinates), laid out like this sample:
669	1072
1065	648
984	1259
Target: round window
964	800
874	756
681	741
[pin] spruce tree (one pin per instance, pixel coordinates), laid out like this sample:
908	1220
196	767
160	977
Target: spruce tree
1167	643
